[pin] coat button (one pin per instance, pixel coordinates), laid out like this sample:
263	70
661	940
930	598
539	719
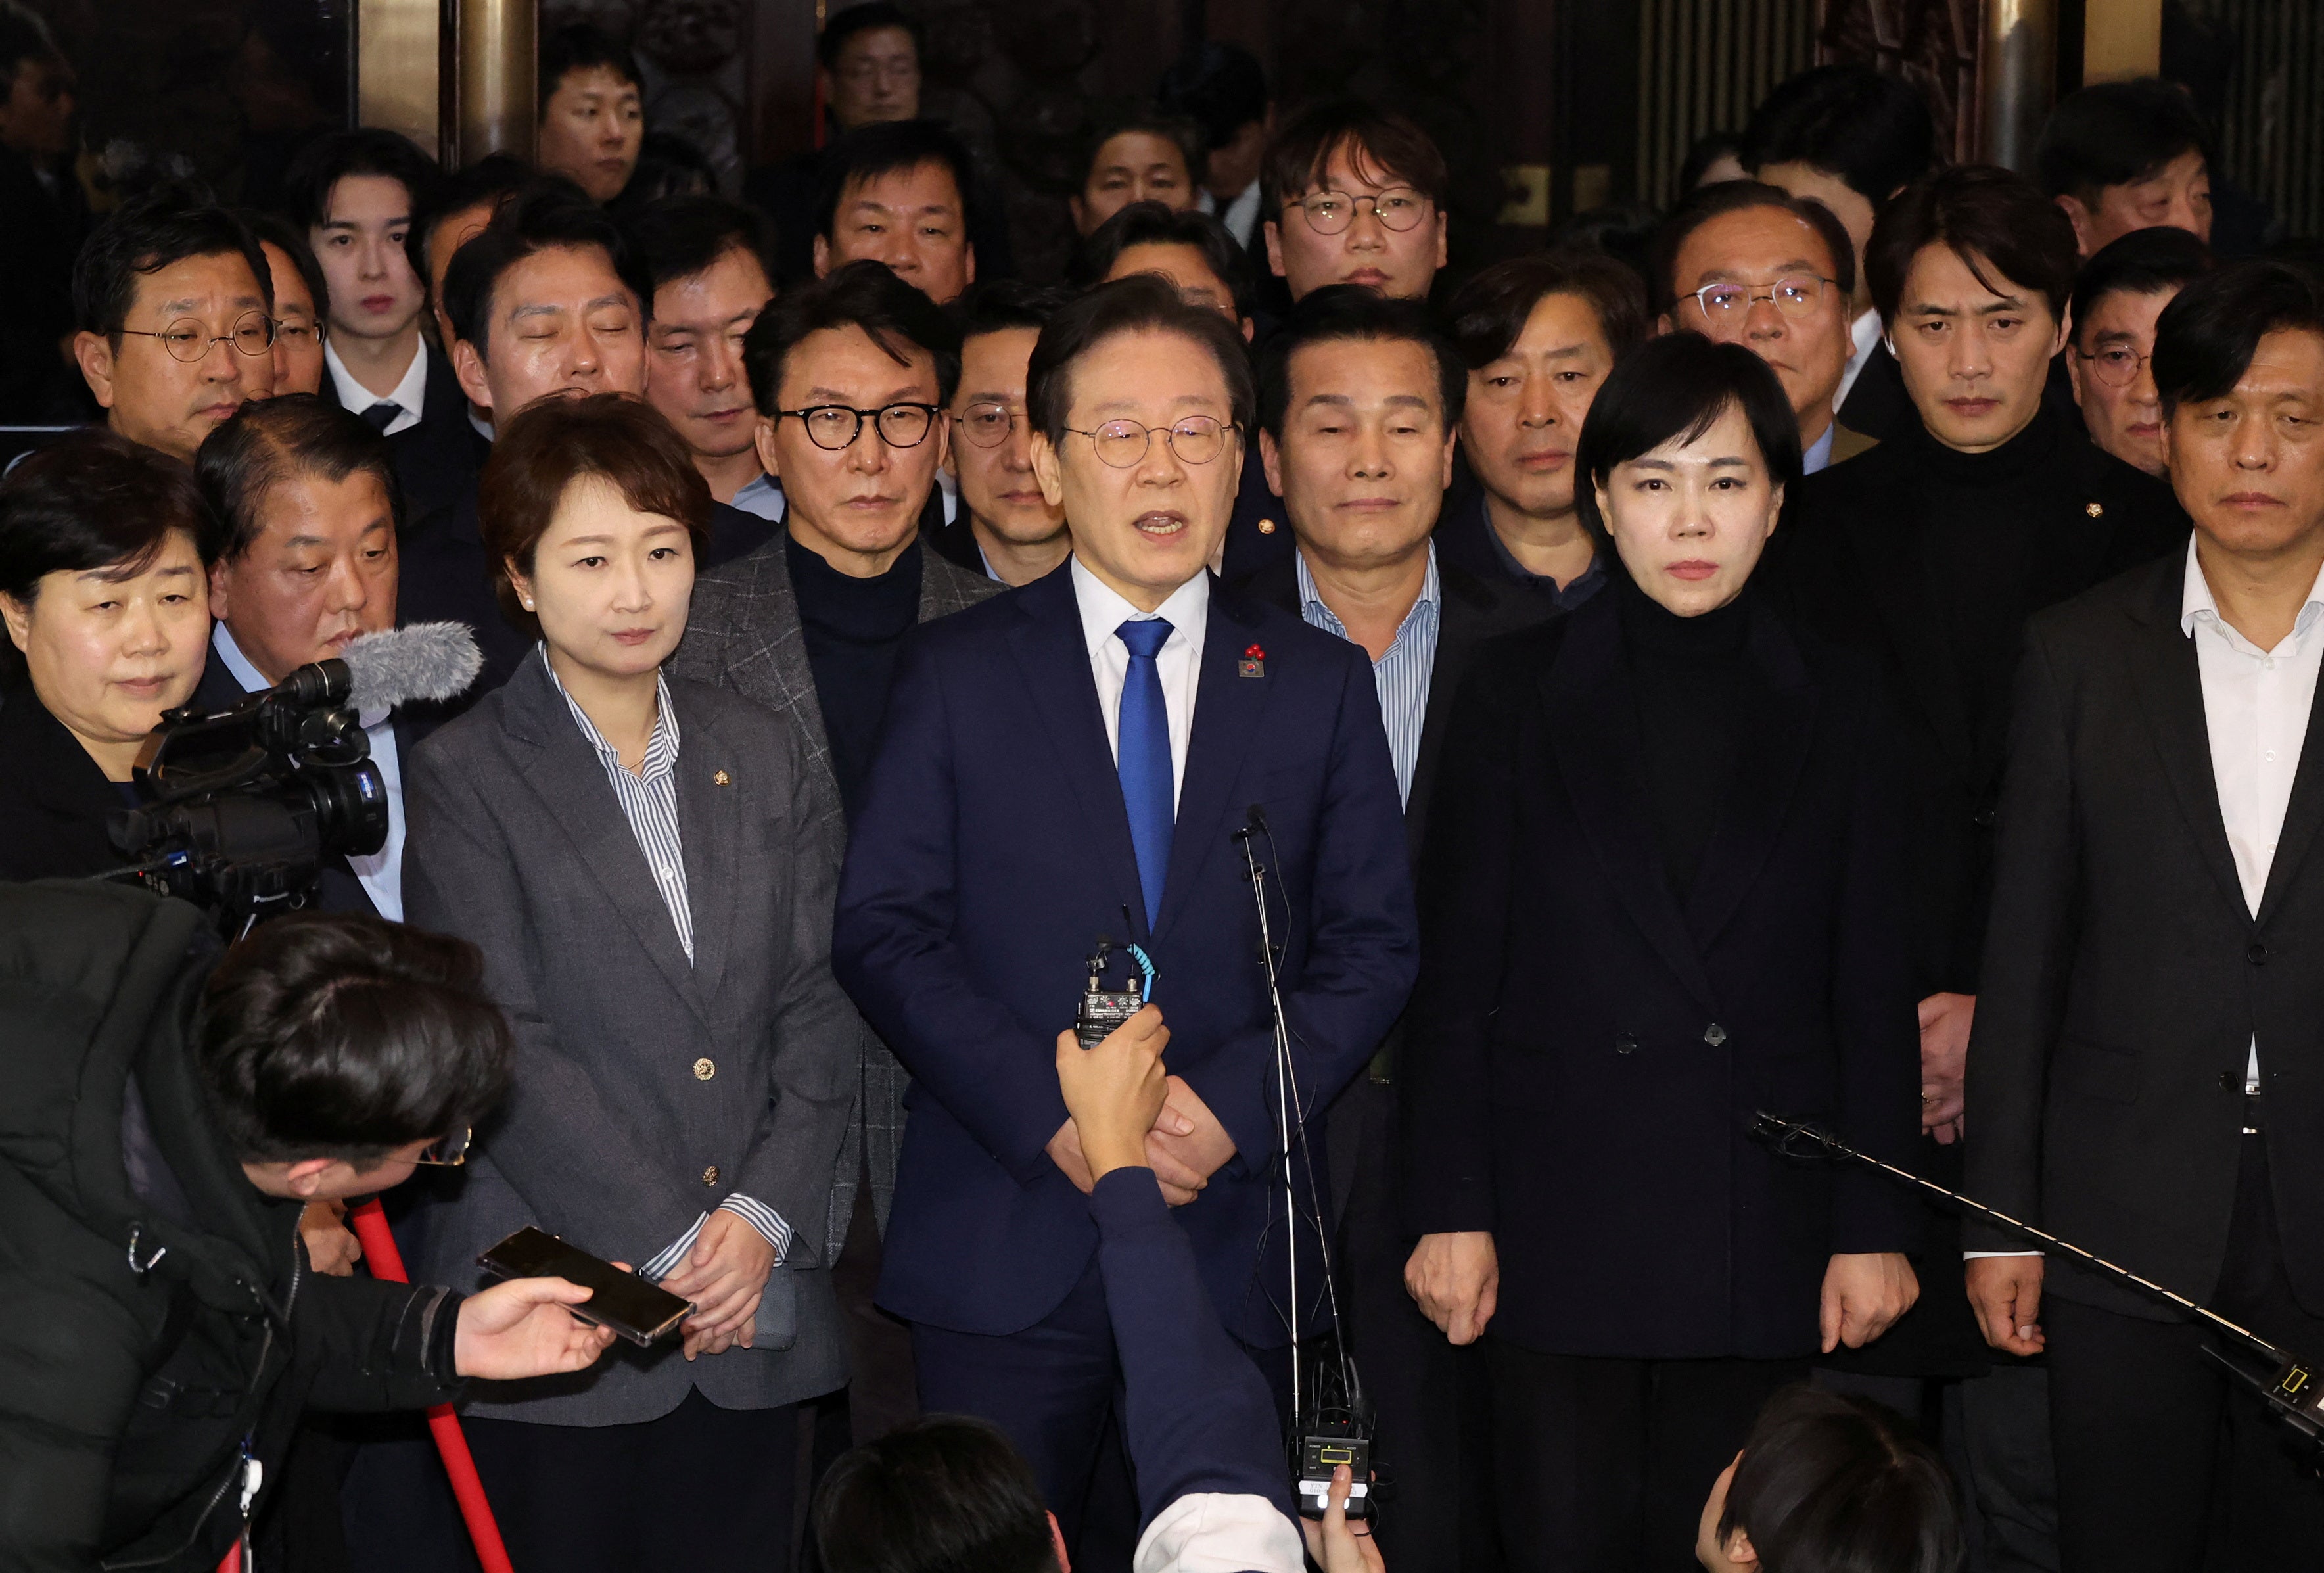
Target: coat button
2256	954
1626	1042
703	1070
1714	1034
710	1175
2231	1081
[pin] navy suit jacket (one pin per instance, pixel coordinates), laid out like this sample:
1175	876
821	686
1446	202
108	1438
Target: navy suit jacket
992	849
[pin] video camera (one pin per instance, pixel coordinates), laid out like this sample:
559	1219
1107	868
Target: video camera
247	802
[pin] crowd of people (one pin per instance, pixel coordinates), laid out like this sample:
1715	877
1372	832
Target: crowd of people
1849	657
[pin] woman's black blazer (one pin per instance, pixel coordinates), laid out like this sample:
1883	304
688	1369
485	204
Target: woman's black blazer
54	801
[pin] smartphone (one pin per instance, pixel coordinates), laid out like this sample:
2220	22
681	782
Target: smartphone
640	1311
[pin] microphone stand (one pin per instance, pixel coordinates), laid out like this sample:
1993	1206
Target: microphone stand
2287	1385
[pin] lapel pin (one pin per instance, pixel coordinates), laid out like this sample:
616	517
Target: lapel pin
722	779
1254	663
2094	510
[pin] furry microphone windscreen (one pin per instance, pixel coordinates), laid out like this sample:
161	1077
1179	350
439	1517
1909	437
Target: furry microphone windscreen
427	660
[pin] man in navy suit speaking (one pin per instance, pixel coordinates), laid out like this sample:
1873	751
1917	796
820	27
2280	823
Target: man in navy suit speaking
1073	759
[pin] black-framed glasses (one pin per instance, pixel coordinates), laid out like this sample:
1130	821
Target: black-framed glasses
1196	440
836	427
188	340
450	1153
2117	365
988	424
1399	208
1795	295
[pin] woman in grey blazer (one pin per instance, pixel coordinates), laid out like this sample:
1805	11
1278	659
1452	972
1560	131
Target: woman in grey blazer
640	860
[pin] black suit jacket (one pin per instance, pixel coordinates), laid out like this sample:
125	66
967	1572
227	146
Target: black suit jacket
438	461
53	798
1586	1051
2126	977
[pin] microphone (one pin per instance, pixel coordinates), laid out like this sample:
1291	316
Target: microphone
427	660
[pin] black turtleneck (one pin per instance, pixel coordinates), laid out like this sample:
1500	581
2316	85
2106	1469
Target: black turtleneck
852	628
1684	672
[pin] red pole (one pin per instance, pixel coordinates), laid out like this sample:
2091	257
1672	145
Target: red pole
370	1225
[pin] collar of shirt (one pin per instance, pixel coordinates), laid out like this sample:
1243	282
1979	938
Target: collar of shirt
763	496
1318	613
2196	606
252	681
479	425
1179	661
661	748
1863	334
1819	452
410	394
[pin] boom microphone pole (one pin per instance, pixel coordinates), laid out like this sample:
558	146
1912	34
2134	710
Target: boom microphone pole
2285	1382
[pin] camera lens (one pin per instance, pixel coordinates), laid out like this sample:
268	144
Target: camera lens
350	806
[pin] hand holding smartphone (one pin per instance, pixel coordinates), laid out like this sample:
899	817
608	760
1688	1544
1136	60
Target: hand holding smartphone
640	1311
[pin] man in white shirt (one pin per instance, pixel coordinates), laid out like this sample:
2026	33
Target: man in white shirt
355	193
2144	1077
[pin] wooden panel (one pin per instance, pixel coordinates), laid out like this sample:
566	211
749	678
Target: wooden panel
1702	64
2121	39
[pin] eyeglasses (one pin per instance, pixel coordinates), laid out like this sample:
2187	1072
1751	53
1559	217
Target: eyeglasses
988	425
836	427
2117	365
1331	212
448	1154
1196	440
188	340
1795	296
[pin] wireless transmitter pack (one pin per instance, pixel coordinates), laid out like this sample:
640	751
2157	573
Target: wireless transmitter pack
1103	1008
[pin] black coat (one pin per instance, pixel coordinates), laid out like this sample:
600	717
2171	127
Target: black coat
147	1328
1586	1052
438	461
42	234
54	801
2126	977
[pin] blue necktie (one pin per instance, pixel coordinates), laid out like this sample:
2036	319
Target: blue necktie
1144	756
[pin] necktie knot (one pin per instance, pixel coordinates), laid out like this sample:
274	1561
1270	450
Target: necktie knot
1145	636
381	415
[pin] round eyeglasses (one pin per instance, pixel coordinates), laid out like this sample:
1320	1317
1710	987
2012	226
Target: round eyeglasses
2117	365
987	425
836	427
188	340
1196	440
1330	212
1795	296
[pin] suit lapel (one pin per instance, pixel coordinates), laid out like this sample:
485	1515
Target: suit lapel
1594	733
1778	713
1045	639
707	825
563	770
1227	712
773	625
2170	685
2301	816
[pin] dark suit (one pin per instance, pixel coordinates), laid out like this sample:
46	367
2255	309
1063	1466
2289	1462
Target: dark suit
1465	541
1586	1050
438	461
992	848
2125	979
1429	1395
46	220
54	801
1259	531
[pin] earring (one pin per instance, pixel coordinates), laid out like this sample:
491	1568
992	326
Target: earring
527	603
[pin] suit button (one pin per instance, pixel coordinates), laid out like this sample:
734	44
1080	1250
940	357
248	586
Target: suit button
2256	954
1984	819
1626	1042
710	1175
1714	1034
2231	1081
703	1070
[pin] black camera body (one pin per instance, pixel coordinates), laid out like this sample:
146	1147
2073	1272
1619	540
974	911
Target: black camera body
247	802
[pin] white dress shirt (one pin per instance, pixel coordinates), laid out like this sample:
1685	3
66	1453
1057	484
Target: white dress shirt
1179	661
763	496
409	394
381	873
1863	337
1817	456
1240	215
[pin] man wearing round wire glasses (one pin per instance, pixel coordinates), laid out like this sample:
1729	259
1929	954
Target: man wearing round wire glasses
175	305
1354	196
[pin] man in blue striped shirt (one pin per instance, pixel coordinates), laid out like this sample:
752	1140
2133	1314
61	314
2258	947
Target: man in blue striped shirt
1359	400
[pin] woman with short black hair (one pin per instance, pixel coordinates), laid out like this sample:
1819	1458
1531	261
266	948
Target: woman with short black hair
1661	890
104	594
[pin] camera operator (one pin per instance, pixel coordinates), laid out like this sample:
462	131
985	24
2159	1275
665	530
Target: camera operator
303	513
168	1114
950	1492
101	587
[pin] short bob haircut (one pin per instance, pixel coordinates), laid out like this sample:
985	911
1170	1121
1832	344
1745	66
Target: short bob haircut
1871	129
268	441
1152	224
2146	261
1829	1483
946	1492
1181	131
319	167
1705	203
1994	220
2112	133
1673	389
1486	314
330	1035
867	295
1141	303
543	218
168	224
549	445
1344	313
1391	143
2204	339
893	147
92	502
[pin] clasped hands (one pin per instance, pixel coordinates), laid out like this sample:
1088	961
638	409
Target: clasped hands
1108	1091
